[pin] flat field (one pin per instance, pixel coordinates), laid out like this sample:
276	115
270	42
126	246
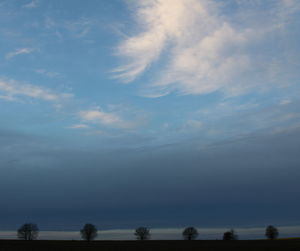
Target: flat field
151	245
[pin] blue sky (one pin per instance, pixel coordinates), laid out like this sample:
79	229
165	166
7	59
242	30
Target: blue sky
154	112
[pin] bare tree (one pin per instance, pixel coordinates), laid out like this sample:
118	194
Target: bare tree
142	233
230	235
28	231
89	232
190	233
271	232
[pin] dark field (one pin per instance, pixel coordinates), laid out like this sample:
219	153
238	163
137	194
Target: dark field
201	245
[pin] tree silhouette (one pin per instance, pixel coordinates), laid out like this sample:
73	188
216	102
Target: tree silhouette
271	232
28	231
89	232
190	233
142	233
230	235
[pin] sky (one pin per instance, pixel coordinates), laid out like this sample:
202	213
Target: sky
157	113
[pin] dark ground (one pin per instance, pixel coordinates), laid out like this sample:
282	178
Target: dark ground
180	245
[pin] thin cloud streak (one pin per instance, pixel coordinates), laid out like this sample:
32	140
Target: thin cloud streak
31	5
15	89
78	126
17	52
48	74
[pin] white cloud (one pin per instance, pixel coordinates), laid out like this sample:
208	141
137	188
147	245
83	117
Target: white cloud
80	27
11	90
97	115
285	101
19	52
203	49
14	89
194	124
47	73
8	98
31	5
49	23
105	118
78	126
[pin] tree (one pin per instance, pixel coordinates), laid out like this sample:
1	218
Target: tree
89	232
190	233
230	235
271	232
142	233
28	232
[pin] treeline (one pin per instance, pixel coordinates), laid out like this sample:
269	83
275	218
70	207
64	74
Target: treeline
89	232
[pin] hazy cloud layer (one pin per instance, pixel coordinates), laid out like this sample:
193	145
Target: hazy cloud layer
251	181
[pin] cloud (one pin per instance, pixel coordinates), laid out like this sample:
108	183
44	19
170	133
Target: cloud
80	27
233	120
19	52
13	89
78	126
105	118
203	49
243	169
31	5
194	124
47	73
96	115
7	98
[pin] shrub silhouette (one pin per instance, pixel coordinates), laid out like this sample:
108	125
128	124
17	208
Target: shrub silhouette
28	231
271	232
89	232
230	235
190	233
142	233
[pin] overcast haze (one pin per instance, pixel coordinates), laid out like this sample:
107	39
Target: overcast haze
158	113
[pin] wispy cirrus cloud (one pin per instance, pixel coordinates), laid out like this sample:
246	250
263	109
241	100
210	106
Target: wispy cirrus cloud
13	90
31	5
232	120
49	74
203	49
18	52
79	28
